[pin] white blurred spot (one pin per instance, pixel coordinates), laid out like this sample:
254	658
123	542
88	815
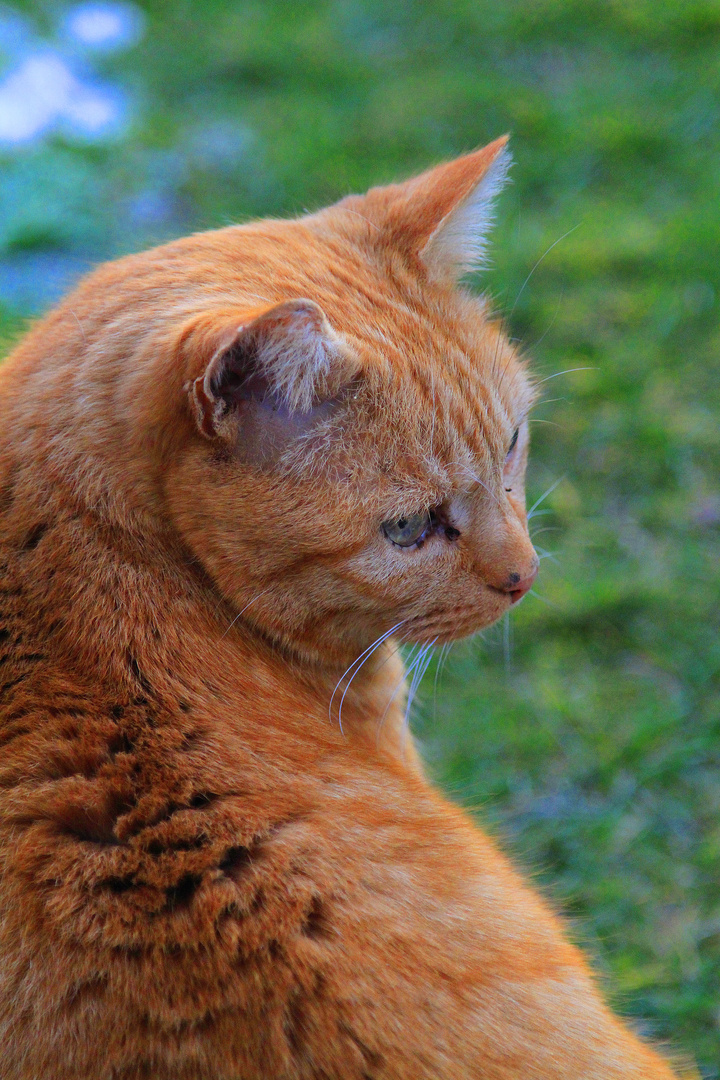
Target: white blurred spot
44	92
91	111
105	26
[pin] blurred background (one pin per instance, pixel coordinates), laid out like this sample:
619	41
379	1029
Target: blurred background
584	732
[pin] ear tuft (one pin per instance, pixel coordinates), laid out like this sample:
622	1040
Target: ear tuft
459	243
304	360
439	221
286	358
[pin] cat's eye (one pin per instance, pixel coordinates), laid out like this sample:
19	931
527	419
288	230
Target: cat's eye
513	443
408	530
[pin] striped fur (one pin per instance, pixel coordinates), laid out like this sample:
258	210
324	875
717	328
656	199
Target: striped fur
203	877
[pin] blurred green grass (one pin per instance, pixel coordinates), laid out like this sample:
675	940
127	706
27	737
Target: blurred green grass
590	742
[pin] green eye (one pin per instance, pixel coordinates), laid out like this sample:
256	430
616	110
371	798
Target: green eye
408	530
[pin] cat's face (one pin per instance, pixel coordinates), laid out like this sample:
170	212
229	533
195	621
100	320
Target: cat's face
360	445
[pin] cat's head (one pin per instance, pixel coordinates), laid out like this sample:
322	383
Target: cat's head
357	429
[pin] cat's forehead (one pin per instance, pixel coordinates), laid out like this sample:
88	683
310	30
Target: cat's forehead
441	353
417	329
443	390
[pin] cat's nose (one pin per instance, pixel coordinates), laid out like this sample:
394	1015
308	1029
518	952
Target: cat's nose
516	586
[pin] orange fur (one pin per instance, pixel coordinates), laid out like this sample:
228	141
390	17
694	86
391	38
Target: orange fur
220	858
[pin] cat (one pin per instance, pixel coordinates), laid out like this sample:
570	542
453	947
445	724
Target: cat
236	471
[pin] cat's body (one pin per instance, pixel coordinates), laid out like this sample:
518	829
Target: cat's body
215	864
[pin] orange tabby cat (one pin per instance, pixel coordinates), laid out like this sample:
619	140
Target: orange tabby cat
232	469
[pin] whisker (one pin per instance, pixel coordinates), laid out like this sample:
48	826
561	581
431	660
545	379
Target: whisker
414	649
527	279
245	609
82	330
507	644
542	498
444	649
538	513
548	555
542	550
357	664
495	359
552	321
357	669
413	670
444	659
362	659
393	651
531	592
420	665
413	656
477	479
409	658
567	371
545	528
398	685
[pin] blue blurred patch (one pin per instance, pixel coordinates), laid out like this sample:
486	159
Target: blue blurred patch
32	281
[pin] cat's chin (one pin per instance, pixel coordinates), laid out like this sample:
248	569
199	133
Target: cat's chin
443	627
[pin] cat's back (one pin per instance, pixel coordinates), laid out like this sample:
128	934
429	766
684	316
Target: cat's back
219	914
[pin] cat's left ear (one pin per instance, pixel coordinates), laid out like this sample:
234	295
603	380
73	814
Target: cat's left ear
443	217
258	367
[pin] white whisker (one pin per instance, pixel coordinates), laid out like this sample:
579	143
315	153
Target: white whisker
245	608
444	649
507	644
547	555
545	528
542	498
495	360
552	322
527	279
357	214
420	666
444	659
531	592
538	513
410	658
476	478
357	664
566	372
398	685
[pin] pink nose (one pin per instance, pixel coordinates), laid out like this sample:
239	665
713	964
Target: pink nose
516	587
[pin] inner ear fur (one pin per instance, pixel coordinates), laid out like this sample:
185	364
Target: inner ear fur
440	220
286	358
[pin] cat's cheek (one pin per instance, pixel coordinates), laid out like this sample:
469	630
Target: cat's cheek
456	607
406	581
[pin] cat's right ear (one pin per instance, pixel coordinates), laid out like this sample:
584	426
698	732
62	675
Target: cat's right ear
439	220
267	369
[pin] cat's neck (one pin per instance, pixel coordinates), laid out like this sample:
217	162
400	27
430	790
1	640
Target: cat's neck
145	620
